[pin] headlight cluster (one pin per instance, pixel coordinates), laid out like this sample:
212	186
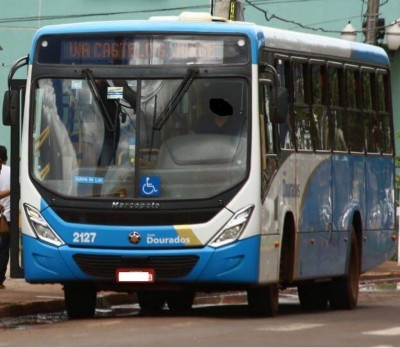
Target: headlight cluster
233	228
41	228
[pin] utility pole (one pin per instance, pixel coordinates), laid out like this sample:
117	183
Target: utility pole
371	22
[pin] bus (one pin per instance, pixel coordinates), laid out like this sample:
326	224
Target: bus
186	154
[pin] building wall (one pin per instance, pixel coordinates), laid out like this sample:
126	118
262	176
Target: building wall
21	18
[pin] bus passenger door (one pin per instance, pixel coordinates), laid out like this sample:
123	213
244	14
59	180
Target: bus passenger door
269	121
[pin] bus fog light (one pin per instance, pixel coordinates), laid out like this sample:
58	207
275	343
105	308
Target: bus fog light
233	229
41	228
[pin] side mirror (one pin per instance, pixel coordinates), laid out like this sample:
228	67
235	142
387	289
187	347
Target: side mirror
10	108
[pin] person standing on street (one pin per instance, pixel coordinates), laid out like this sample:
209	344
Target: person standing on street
5	207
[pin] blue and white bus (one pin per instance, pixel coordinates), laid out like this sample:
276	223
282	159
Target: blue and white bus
170	156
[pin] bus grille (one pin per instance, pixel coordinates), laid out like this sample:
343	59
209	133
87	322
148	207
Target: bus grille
165	267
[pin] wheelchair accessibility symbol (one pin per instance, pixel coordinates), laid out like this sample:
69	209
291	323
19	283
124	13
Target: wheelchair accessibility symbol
150	186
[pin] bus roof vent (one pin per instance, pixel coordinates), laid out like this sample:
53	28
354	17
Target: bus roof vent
190	17
195	17
164	18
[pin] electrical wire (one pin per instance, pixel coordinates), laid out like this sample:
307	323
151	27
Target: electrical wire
303	26
253	4
273	16
82	15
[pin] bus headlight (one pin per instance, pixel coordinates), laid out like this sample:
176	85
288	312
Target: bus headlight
233	228
41	228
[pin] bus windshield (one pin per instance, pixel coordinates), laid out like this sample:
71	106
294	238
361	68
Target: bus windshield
180	138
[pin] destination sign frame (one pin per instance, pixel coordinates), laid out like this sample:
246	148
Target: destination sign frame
143	50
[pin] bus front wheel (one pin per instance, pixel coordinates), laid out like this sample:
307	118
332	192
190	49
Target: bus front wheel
80	300
264	300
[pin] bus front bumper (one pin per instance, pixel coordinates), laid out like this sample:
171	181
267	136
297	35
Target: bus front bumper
234	263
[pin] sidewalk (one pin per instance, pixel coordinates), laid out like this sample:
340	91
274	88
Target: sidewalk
20	298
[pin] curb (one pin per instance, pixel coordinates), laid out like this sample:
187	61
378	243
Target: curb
31	308
58	305
380	275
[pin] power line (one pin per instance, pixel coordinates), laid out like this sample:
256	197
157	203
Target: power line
54	17
272	16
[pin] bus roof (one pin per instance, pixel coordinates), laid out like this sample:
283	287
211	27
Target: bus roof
260	36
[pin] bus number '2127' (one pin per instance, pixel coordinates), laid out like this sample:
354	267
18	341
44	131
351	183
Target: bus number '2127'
84	237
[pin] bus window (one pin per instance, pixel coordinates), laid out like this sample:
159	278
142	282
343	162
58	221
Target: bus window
284	132
301	108
319	106
336	108
373	128
384	110
381	92
355	120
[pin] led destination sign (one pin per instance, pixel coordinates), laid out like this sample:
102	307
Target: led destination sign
96	49
143	50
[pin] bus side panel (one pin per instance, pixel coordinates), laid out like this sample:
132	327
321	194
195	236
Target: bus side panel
320	253
348	197
379	226
318	247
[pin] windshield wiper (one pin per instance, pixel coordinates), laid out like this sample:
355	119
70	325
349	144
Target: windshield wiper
97	97
176	99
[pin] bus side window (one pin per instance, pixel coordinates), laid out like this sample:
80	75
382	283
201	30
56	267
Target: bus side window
355	119
284	129
301	108
336	108
319	106
384	110
373	128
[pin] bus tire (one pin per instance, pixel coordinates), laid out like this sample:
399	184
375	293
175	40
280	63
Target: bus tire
264	300
313	296
181	301
151	301
80	300
344	290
